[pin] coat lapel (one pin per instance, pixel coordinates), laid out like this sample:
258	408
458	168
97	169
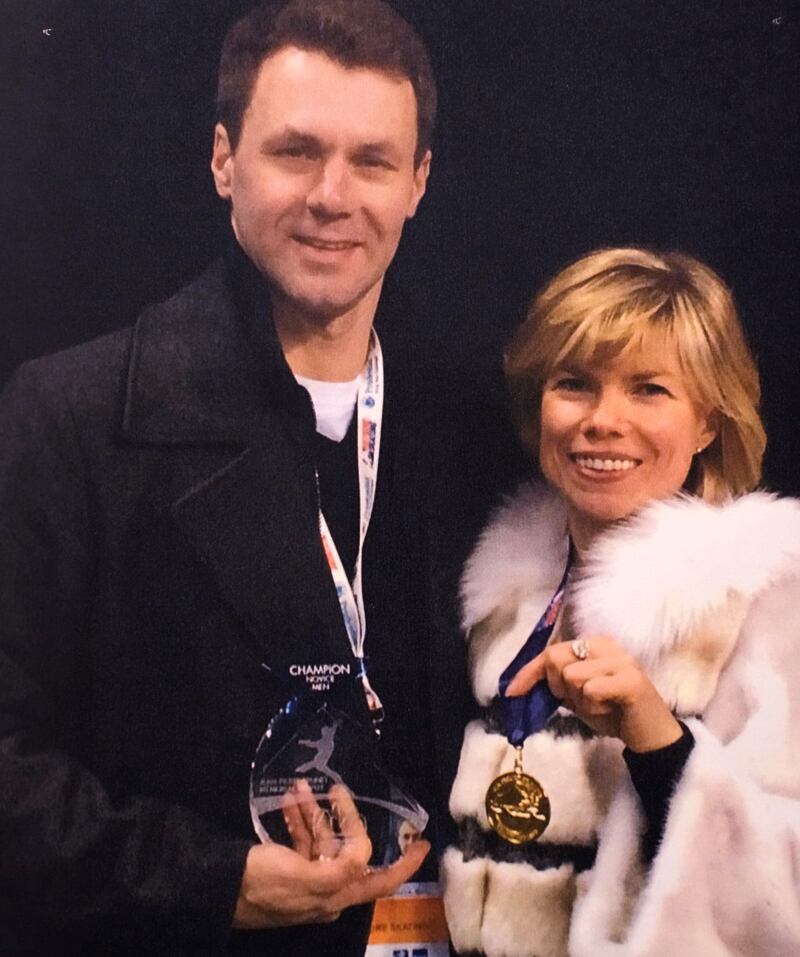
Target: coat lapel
199	378
254	524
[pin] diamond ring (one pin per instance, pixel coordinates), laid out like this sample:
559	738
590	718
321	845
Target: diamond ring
580	648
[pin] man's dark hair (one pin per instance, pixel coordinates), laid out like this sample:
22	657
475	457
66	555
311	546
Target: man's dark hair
355	33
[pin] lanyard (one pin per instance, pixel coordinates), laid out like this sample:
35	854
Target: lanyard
369	410
526	714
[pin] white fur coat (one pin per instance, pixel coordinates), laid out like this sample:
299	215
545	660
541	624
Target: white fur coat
708	599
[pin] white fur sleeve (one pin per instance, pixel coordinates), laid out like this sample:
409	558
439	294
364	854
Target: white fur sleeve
726	878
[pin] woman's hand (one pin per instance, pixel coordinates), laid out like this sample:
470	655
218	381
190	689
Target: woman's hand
606	689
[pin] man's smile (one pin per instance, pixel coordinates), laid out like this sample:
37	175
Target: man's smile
327	245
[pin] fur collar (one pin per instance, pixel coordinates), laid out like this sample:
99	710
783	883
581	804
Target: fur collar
673	583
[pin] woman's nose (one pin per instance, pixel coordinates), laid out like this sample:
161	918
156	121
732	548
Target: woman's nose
607	414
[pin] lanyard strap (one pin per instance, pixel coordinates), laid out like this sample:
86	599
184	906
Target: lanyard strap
526	714
369	410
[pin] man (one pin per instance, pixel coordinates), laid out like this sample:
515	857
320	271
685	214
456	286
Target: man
165	588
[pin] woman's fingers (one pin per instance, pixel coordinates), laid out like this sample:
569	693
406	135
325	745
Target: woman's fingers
605	687
575	680
527	676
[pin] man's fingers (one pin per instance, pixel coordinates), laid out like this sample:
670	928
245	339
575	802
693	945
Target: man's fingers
321	834
316	821
352	831
349	820
280	887
384	881
297	825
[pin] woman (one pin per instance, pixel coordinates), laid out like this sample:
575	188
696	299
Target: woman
645	607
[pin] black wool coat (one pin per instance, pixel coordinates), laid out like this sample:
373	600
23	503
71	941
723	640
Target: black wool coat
158	545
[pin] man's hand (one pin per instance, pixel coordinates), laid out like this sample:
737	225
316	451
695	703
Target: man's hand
607	690
282	886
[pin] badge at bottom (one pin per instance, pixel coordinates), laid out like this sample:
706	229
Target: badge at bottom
516	806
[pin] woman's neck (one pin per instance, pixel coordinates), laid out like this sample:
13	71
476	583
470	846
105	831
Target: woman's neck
583	530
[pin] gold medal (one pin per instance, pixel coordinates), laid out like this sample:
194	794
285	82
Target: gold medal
516	806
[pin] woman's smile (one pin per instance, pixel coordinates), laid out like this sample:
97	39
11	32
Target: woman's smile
603	463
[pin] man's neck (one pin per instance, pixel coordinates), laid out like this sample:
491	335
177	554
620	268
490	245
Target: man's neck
332	349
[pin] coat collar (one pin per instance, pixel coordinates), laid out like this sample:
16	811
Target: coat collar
205	364
672	584
206	371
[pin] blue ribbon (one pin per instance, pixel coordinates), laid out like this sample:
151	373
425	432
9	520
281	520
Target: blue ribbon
526	714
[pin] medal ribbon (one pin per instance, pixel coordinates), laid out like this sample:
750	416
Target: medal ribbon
369	410
527	714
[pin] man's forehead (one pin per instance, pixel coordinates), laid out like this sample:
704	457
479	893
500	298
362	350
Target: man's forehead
310	93
291	74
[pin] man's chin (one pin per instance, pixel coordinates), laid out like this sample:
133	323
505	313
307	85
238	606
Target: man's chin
321	306
320	312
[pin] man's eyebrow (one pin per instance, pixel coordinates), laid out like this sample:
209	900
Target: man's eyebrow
291	135
375	146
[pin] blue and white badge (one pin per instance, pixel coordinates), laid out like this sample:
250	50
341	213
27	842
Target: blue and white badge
316	779
368	430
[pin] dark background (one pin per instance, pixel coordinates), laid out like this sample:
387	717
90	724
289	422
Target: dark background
564	125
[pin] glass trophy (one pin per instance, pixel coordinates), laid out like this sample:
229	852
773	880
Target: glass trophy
308	753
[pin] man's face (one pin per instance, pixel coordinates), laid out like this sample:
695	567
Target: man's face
322	179
407	834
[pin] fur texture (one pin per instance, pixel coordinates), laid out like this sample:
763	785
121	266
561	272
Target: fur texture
707	598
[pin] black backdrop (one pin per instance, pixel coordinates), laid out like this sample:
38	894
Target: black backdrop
565	125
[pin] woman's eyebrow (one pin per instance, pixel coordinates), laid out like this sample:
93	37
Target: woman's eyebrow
652	374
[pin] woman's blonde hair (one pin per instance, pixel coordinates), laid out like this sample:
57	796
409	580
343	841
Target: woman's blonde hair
613	298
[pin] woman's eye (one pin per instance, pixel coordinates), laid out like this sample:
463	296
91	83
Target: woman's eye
571	383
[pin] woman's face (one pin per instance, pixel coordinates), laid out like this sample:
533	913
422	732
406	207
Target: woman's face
615	435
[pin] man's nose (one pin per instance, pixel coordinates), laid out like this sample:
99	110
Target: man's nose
331	193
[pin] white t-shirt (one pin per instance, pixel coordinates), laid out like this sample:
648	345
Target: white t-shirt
334	404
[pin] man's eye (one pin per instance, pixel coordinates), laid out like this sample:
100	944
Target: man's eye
294	153
373	162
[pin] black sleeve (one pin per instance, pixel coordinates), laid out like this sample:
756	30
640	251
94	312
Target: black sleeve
654	775
72	858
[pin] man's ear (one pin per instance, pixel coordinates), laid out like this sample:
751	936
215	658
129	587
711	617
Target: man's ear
222	162
421	174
